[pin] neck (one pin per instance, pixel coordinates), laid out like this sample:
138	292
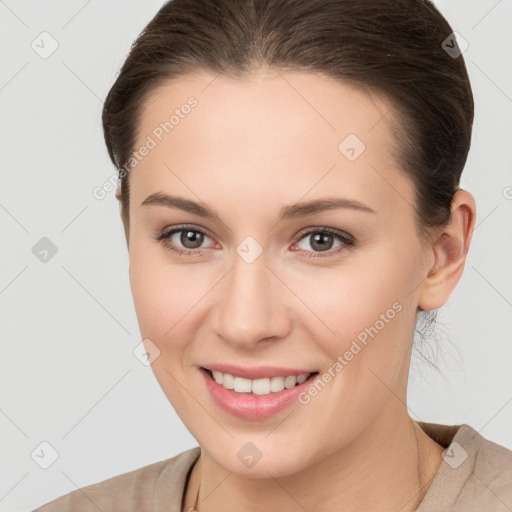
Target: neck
389	466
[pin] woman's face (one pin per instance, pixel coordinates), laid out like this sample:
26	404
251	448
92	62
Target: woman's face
260	282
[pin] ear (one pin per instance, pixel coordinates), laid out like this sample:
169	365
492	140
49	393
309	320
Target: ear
118	195
449	251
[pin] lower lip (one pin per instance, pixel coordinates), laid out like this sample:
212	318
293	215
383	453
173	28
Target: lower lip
253	407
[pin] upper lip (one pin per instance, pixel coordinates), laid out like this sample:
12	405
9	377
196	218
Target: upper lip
257	372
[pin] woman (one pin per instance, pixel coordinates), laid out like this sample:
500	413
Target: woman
247	134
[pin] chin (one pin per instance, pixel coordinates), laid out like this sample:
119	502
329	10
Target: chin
262	457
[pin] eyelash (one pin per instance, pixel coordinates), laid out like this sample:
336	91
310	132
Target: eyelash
346	240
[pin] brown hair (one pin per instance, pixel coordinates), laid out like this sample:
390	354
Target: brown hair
394	47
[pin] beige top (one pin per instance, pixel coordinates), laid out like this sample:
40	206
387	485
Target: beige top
475	475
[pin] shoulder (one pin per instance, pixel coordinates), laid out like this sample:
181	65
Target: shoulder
132	491
489	479
493	465
475	474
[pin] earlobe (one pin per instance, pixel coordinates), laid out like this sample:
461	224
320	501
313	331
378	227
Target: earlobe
449	250
118	197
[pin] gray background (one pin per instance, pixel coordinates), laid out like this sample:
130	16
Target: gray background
68	325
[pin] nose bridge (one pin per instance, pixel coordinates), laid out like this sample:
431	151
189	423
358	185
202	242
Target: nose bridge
250	305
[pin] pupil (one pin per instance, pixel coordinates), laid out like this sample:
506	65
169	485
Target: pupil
320	246
191	236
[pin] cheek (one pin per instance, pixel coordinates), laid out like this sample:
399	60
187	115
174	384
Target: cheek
345	303
364	322
164	296
162	293
171	301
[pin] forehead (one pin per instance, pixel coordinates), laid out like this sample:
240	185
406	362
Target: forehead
306	104
282	134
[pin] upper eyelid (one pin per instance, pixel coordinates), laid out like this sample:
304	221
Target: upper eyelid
177	229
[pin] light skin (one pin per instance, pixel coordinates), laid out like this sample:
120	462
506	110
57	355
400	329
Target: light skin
249	148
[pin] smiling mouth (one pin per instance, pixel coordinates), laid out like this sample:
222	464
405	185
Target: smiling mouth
262	386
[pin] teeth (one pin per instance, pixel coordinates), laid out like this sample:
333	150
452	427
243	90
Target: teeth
242	385
219	377
290	381
263	386
302	377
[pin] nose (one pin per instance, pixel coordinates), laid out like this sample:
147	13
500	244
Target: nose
252	305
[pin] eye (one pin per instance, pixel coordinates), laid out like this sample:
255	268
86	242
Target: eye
189	238
323	240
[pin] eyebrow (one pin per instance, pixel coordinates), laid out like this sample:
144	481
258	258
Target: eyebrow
293	211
